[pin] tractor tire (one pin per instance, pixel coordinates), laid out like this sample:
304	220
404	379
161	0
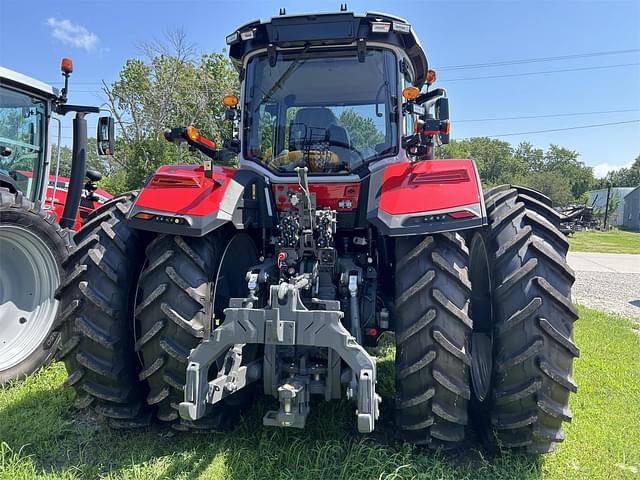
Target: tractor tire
432	292
533	347
175	290
97	339
32	249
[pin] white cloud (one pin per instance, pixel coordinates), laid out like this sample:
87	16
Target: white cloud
600	170
72	34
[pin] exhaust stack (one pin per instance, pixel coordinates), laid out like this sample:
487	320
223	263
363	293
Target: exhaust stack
78	168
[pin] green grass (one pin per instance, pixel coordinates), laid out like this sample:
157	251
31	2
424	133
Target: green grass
613	241
42	436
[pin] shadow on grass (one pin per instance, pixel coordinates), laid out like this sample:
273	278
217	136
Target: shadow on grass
60	440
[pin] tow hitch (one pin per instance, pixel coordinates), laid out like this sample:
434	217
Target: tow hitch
284	322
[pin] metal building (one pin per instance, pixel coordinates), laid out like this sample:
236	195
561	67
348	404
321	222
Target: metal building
631	216
598	200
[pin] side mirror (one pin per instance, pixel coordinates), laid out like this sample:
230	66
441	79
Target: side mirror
442	114
105	136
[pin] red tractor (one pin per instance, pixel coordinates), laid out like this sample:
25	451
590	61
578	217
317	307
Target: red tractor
33	200
213	283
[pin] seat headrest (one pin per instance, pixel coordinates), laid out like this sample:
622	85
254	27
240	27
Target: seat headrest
315	117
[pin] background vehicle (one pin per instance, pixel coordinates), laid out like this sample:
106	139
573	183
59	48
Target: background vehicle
58	189
214	282
32	245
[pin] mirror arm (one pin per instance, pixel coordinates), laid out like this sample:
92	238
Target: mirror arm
430	97
64	109
179	135
212	153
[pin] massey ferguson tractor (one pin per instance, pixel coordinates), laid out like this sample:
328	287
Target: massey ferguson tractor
214	284
32	199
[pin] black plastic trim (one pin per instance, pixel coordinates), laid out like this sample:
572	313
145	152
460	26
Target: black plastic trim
324	29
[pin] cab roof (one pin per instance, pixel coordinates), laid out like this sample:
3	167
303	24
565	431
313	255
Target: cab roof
318	29
20	80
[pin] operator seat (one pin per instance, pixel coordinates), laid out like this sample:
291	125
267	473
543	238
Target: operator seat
314	125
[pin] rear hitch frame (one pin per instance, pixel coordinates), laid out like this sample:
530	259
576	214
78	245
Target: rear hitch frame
285	321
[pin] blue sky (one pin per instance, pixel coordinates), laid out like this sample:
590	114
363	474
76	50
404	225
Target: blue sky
101	35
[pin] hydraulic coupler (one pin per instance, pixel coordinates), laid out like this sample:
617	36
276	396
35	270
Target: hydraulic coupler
285	321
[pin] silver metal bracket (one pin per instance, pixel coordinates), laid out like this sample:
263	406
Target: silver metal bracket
294	406
234	377
284	321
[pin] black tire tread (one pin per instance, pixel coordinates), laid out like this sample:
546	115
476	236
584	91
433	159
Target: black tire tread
96	323
170	318
432	336
534	318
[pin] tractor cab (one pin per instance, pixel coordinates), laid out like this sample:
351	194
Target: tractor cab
34	247
330	112
325	91
25	107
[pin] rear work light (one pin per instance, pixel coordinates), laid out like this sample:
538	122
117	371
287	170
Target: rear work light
380	27
431	76
233	38
248	35
401	27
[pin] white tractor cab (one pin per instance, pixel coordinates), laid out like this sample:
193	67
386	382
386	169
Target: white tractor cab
32	245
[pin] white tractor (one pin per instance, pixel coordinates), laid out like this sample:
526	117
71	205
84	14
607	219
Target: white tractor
38	214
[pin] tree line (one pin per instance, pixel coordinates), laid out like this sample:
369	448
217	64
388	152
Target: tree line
173	85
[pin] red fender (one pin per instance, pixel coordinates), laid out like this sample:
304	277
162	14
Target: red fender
426	197
181	200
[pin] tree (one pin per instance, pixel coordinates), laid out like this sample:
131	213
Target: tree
531	157
565	163
494	158
94	161
362	130
554	186
624	177
557	172
170	87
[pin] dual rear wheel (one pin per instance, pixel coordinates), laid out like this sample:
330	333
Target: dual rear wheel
485	336
131	319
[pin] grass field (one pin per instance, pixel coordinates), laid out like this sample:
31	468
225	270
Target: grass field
614	241
42	436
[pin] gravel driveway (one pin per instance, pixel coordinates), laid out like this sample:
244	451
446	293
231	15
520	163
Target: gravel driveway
607	281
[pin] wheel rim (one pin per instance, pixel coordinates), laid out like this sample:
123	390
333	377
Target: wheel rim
29	277
481	313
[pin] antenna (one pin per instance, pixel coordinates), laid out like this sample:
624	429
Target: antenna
283	11
343	7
